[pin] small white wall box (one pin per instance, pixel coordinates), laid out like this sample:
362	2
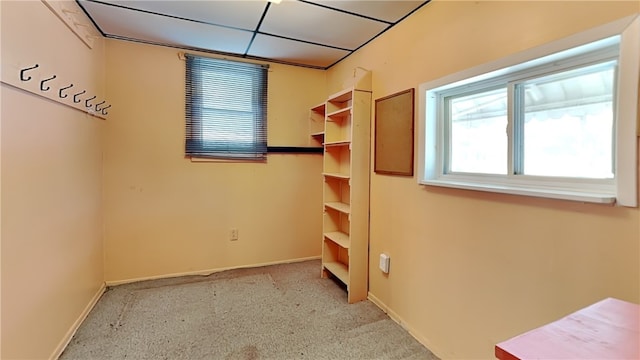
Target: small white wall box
384	263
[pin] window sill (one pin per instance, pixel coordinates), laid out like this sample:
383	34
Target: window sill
599	198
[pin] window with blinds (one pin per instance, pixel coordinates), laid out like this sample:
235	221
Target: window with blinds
226	109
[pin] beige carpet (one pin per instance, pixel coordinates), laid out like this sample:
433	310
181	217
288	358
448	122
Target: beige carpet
275	312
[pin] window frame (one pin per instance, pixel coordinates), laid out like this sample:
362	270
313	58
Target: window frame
196	146
622	189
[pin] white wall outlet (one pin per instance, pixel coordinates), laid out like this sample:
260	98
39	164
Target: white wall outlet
384	263
233	235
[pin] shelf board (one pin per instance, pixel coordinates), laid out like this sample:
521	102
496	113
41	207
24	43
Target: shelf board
340	113
339	238
337	176
317	134
342	96
320	108
337	143
340	206
340	270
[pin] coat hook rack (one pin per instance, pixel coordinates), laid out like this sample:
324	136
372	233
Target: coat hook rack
64	88
86	102
100	103
45	80
27	69
75	97
91	106
104	112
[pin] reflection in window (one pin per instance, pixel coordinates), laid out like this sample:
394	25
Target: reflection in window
568	127
478	132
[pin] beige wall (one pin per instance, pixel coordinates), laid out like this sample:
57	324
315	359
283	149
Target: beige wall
166	215
470	269
52	255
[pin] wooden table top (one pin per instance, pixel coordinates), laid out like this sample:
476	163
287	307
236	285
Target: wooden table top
609	329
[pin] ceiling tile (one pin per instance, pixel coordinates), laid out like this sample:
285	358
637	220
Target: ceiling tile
294	51
164	30
319	25
238	14
390	11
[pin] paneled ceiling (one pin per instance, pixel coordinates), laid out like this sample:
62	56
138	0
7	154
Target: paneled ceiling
315	34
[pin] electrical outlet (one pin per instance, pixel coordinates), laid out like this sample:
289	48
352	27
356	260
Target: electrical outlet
234	235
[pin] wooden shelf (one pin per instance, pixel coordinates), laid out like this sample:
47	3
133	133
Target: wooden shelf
337	176
345	193
341	96
337	159
337	143
316	123
320	108
339	104
342	207
340	270
339	238
339	114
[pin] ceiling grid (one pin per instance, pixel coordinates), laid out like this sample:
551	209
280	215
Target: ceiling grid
309	33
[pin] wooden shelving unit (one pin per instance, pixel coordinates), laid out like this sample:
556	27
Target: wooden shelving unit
316	124
346	141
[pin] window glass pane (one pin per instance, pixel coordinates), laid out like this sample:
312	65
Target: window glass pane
568	123
478	137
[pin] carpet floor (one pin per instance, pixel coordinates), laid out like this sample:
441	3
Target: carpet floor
274	312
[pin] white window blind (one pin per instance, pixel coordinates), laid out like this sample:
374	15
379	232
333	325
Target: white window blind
226	109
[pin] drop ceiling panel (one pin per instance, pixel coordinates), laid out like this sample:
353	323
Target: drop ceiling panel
237	14
294	51
119	22
298	20
390	11
315	33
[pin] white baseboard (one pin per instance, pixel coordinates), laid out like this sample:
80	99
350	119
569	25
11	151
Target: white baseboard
395	317
67	337
207	271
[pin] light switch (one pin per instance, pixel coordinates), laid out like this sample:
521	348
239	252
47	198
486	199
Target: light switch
384	263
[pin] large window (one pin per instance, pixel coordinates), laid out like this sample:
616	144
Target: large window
561	124
226	109
554	123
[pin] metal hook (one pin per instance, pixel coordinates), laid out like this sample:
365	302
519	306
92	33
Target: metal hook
45	80
100	103
64	88
75	97
105	108
86	102
26	69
